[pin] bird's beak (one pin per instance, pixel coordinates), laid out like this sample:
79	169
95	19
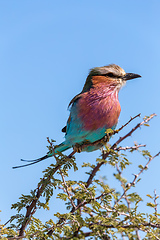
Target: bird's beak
129	76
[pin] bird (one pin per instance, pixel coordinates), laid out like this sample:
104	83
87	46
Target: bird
94	110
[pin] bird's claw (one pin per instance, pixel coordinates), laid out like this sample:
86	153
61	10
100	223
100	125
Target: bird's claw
77	148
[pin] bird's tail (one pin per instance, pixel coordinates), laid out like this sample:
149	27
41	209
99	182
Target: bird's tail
60	148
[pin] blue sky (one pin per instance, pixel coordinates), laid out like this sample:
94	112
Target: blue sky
46	51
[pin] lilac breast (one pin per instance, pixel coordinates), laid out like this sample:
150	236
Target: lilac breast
98	108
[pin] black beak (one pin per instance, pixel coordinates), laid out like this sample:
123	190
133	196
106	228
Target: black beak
129	76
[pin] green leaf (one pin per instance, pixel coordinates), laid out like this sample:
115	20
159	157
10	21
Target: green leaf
151	205
148	195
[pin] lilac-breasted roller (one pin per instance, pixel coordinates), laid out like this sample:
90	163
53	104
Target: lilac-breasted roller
95	109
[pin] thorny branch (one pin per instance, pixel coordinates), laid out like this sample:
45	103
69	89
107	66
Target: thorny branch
130	148
134	226
109	226
123	186
66	189
155	202
114	146
129	185
31	209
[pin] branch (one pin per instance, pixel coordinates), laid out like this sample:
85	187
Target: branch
123	186
127	226
129	185
114	146
106	137
130	148
66	189
145	224
138	236
31	209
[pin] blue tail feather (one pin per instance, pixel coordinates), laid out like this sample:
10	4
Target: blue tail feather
60	148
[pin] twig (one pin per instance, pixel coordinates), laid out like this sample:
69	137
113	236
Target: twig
135	128
123	186
138	236
155	202
66	189
135	178
130	148
131	119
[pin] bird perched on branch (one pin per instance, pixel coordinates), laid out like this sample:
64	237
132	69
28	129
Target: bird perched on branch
95	109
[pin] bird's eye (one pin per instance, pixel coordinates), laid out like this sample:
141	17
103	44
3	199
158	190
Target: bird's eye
110	74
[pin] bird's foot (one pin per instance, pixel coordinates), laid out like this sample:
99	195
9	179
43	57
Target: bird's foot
109	133
105	139
77	148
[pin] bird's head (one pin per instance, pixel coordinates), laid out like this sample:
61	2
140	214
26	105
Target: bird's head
111	75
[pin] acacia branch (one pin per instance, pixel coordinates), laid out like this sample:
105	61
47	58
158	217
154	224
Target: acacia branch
137	234
127	226
129	185
66	189
136	147
107	136
145	224
114	146
31	209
